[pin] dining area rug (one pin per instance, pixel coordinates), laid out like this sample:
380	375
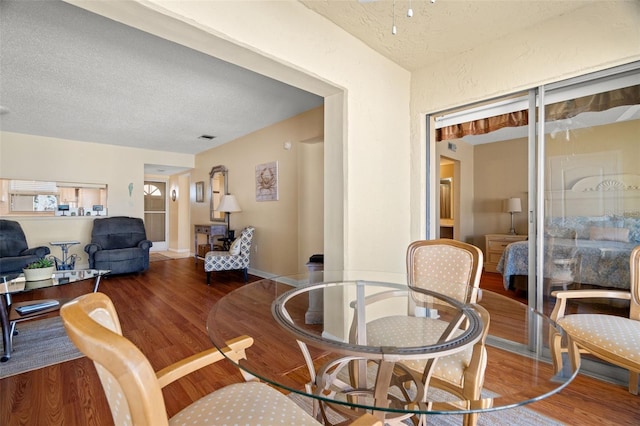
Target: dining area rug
38	344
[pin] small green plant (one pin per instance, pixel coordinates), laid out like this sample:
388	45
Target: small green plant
40	263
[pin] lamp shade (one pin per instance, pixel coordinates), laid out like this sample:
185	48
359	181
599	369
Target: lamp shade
229	204
514	205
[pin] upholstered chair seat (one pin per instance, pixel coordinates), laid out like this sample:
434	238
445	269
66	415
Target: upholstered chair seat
245	403
237	258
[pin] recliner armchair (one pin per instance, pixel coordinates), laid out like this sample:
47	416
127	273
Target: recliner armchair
15	254
119	244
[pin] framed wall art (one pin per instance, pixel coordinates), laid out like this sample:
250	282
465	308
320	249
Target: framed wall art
267	181
200	192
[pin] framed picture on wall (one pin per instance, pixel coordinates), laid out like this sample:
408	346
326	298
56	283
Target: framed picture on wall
200	192
267	181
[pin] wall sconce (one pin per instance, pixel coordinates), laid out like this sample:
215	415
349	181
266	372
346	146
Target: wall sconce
514	205
174	195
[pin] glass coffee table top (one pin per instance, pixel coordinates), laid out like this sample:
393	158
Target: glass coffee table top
16	283
13	284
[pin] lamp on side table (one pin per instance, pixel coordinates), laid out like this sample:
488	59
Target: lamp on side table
514	205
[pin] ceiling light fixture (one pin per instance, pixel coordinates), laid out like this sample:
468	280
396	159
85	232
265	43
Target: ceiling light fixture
394	29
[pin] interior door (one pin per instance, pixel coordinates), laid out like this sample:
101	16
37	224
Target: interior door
155	214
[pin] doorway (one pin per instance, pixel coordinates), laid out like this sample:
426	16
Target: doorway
447	197
155	213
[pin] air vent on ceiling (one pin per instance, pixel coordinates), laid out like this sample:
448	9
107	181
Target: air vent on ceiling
208	137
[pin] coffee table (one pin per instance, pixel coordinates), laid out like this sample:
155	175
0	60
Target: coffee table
13	313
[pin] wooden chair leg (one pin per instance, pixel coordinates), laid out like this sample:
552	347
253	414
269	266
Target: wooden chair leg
208	277
633	382
246	275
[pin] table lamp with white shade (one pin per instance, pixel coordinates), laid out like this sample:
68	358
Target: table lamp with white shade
229	204
514	205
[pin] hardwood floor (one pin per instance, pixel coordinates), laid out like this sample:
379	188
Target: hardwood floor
164	310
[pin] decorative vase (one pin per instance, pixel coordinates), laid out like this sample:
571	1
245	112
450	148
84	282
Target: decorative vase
38	274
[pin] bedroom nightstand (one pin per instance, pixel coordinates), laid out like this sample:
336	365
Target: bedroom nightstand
495	245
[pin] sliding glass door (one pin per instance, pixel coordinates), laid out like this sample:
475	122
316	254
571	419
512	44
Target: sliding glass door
553	203
590	204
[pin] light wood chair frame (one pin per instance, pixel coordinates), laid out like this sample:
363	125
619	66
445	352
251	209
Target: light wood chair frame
83	319
582	345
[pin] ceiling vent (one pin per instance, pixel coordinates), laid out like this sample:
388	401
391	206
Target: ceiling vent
207	137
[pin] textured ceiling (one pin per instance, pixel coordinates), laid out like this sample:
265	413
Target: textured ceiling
71	74
436	30
68	73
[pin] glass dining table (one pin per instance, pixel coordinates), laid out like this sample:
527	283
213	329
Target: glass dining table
353	357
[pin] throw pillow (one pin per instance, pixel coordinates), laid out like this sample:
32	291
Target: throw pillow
234	250
609	234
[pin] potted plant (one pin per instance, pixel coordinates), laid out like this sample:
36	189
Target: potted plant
41	269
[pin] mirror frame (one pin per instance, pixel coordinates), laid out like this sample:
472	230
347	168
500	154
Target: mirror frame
214	216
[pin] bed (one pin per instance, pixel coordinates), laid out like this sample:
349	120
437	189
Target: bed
592	215
601	263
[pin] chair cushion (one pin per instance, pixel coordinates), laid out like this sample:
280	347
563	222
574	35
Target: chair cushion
234	250
606	333
250	403
449	368
400	330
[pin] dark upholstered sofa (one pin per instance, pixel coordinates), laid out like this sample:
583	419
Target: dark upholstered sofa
15	254
119	244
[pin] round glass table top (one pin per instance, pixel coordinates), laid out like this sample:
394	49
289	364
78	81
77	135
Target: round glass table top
380	319
415	333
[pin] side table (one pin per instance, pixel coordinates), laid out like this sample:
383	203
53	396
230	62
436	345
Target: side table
494	247
210	231
67	262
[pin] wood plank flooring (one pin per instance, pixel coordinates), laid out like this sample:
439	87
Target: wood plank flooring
164	310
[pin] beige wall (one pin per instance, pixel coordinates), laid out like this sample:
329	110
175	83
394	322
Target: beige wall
310	200
500	173
42	158
276	246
